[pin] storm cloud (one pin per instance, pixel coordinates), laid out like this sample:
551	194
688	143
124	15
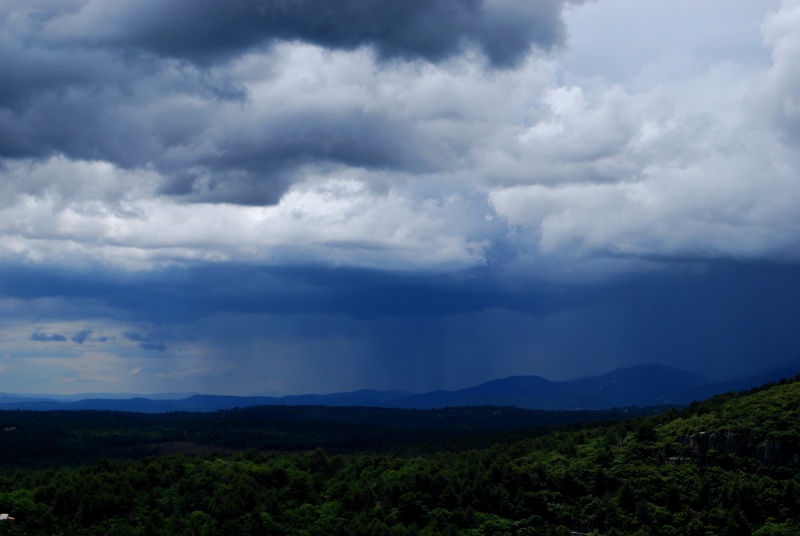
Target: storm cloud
208	32
99	81
429	193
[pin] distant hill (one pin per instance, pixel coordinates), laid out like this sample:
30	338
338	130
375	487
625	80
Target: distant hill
646	385
641	386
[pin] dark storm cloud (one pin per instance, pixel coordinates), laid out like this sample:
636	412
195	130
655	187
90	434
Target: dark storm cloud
713	317
357	139
256	169
186	294
691	288
43	337
27	77
252	169
90	122
208	31
102	89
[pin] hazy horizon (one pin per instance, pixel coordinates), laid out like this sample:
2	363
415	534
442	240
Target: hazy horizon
275	394
234	198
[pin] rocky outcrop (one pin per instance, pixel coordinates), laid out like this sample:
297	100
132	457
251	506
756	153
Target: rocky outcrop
724	443
777	451
677	460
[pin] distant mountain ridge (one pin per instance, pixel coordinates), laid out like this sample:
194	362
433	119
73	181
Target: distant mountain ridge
642	386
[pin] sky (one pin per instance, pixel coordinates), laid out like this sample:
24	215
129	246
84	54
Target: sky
284	197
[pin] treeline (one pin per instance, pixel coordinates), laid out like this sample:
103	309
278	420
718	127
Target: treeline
43	439
638	476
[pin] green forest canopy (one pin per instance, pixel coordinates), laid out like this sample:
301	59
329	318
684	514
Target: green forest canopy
724	466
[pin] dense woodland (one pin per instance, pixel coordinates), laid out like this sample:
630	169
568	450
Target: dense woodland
726	466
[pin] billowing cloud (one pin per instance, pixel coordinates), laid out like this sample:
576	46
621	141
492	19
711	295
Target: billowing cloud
698	167
777	91
94	81
144	161
208	32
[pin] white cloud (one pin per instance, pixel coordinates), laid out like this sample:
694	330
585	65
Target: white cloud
336	220
777	91
690	167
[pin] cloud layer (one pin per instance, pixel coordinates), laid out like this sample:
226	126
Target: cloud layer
164	163
128	144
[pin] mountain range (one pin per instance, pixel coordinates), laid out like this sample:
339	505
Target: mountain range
642	386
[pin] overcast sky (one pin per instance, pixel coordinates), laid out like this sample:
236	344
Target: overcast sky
302	196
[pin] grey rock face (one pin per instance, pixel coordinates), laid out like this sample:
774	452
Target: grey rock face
724	443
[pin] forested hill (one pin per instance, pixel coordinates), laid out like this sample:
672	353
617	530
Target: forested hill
726	466
763	423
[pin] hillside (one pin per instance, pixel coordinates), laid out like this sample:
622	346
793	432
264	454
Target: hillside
704	470
764	424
